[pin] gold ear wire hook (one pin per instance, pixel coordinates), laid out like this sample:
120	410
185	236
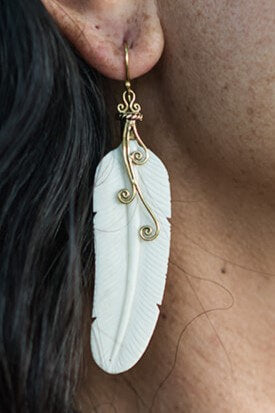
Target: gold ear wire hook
127	81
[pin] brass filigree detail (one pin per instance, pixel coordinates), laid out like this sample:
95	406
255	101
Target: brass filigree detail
129	113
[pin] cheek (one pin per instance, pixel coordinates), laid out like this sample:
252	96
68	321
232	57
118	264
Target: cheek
219	74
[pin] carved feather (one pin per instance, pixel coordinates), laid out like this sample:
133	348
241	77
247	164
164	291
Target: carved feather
130	272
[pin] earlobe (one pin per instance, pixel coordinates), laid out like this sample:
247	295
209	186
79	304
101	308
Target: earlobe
99	29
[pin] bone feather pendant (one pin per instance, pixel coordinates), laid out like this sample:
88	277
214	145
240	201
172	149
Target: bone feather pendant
132	202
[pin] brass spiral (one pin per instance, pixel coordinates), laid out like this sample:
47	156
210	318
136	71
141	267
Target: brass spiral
147	233
125	197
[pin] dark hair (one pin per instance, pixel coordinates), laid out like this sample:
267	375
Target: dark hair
52	135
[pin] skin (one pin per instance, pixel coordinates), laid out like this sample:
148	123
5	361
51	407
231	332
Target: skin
209	109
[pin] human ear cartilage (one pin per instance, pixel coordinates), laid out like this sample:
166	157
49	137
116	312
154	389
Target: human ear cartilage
132	202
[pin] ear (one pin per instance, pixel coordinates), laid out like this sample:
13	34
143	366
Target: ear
99	29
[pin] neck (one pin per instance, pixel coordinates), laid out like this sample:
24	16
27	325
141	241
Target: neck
222	258
223	211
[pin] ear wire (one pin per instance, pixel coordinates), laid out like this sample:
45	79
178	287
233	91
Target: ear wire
127	78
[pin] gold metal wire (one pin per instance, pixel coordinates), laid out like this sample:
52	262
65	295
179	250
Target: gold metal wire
129	113
127	77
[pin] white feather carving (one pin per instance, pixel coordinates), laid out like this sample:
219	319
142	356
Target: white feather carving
130	272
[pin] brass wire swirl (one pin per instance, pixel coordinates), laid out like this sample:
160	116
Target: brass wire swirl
130	112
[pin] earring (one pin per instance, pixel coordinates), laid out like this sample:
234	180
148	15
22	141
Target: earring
132	202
